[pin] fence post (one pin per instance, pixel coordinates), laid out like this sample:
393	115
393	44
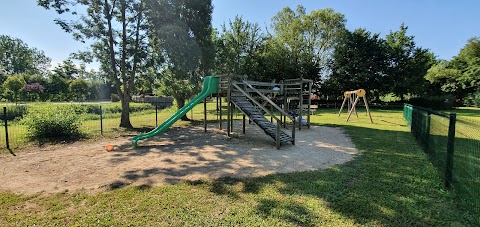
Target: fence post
6	127
101	121
156	114
450	149
427	132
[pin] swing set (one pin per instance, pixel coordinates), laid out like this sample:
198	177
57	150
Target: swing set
351	98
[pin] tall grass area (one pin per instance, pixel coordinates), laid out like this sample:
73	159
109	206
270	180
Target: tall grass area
391	183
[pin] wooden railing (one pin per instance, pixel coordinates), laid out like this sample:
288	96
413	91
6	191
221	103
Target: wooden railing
237	85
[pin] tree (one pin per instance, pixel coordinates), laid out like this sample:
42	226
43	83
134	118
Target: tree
32	91
408	64
17	57
238	48
309	38
14	84
119	31
181	35
66	70
358	61
443	74
79	88
461	75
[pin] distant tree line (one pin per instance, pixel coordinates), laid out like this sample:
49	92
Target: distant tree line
317	46
25	76
166	47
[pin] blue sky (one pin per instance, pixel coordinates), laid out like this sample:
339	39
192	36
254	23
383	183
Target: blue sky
442	26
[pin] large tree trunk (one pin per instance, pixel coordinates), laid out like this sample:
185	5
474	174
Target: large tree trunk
125	117
181	103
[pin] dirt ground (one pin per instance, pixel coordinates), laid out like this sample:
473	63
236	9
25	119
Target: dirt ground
179	154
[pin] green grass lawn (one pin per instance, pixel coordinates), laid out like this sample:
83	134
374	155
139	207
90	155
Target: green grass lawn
392	183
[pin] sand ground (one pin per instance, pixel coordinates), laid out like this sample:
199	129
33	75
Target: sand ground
179	154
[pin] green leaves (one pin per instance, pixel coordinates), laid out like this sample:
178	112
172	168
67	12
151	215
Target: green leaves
238	47
309	37
17	57
52	121
460	76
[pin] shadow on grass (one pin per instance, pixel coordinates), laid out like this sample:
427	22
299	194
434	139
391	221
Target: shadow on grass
392	183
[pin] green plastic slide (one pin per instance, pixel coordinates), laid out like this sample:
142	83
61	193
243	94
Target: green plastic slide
210	86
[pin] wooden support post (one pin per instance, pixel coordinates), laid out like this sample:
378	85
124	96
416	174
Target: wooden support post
293	133
351	110
220	120
368	109
228	105
277	135
309	103
217	106
205	114
300	112
271	111
231	116
243	121
355	96
343	104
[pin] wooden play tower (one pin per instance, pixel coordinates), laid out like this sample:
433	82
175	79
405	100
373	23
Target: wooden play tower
277	108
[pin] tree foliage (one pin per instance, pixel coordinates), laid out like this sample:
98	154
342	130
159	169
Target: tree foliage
181	36
461	75
119	34
78	88
308	38
17	57
359	61
408	64
238	48
13	86
381	66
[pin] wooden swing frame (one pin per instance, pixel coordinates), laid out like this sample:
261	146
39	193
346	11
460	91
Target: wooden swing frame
352	97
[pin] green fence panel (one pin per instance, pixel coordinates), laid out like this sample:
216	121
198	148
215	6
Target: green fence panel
453	146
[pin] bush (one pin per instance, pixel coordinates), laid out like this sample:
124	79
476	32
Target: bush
14	112
436	103
473	99
53	122
93	109
115	98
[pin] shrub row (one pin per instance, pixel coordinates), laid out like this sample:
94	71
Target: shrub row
473	99
13	112
112	108
18	111
52	122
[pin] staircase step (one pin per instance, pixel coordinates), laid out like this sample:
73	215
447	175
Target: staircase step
258	118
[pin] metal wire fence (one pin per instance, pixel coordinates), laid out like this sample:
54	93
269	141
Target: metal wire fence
95	120
101	119
453	146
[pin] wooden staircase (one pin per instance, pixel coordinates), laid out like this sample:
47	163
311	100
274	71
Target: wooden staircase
255	114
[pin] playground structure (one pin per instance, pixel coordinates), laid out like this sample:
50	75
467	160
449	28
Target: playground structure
256	100
351	98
